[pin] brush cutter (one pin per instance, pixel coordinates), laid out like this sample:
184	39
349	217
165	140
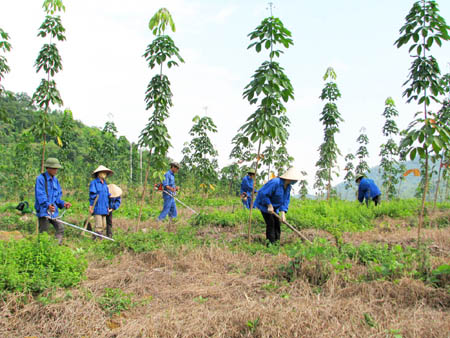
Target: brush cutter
176	199
80	228
292	228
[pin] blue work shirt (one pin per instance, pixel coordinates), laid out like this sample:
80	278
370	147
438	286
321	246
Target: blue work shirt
273	192
114	202
367	189
169	181
247	185
101	189
42	202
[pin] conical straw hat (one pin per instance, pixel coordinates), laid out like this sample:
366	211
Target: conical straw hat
114	190
102	168
292	174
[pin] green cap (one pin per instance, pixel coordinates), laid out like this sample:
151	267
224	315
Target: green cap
52	163
251	171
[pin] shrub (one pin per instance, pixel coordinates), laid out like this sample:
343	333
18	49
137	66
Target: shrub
37	264
114	301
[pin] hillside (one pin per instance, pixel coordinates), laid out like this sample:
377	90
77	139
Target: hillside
407	187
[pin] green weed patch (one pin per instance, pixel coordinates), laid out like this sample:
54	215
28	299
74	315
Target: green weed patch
37	264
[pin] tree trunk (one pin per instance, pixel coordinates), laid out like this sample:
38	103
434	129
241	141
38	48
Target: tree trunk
43	153
143	194
253	193
425	190
437	187
329	184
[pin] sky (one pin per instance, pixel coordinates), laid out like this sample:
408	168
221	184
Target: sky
104	75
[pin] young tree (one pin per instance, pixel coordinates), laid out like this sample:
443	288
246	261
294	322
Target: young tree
268	88
158	96
5	46
362	153
200	155
50	62
423	28
276	159
231	176
243	150
303	186
330	117
389	167
444	155
349	178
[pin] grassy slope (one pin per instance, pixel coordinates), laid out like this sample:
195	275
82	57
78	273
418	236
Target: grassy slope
205	280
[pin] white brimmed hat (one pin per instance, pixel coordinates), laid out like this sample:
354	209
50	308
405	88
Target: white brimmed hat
292	174
114	190
102	168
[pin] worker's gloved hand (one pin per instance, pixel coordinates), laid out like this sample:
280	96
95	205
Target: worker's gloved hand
91	209
51	208
283	216
67	205
270	209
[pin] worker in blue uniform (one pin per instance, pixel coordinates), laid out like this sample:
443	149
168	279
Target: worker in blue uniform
169	190
367	190
48	196
99	198
247	187
274	197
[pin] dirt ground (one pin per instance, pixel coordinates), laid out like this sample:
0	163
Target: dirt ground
214	292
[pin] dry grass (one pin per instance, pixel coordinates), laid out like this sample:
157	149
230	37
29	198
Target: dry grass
212	292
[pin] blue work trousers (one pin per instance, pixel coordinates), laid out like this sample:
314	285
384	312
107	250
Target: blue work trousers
169	208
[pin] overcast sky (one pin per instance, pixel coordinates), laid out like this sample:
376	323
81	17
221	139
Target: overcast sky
104	72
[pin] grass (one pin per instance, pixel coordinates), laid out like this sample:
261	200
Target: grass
201	277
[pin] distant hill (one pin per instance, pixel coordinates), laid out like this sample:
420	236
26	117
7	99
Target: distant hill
407	187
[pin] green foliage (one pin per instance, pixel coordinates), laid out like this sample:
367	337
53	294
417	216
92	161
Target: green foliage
389	152
303	183
52	6
158	96
349	177
362	153
252	325
424	27
115	301
200	156
48	60
277	156
268	87
38	264
328	150
150	240
5	46
160	21
440	276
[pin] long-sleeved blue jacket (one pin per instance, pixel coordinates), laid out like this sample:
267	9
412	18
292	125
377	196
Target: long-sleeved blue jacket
42	202
169	180
247	185
114	202
101	189
367	189
273	192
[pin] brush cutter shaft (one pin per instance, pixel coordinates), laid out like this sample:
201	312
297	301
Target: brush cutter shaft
292	228
80	228
176	199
